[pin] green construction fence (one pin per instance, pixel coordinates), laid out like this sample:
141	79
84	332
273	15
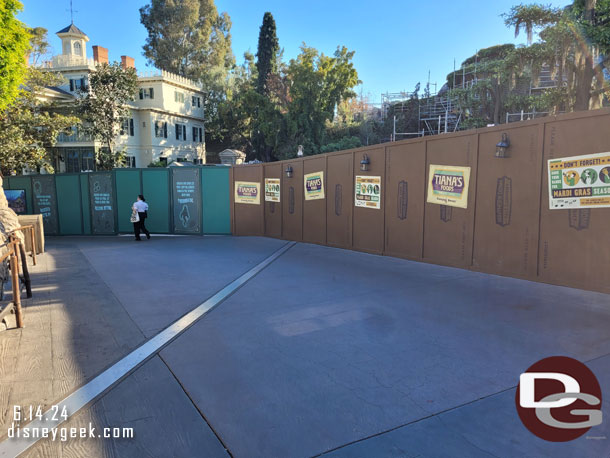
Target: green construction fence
182	200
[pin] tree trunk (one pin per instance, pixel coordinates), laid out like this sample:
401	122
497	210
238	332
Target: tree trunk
583	80
498	103
586	75
590	10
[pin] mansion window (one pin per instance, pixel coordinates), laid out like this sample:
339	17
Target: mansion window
180	132
79	160
160	129
196	101
147	93
127	127
198	134
78	84
130	162
178	97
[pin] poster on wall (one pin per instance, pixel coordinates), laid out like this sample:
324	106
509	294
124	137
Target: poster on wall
367	192
448	185
186	196
272	190
102	207
314	185
16	200
579	181
247	192
45	202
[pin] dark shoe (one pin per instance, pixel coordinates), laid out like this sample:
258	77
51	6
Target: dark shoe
138	240
148	236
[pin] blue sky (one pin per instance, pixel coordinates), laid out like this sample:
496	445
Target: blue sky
396	42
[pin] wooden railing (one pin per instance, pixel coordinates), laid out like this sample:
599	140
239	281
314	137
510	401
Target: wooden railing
13	255
15	250
29	232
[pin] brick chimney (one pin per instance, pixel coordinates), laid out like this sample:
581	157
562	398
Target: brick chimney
128	62
100	55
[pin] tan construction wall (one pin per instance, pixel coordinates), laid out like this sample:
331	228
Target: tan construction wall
507	228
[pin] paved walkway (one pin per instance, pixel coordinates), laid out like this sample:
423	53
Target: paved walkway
324	352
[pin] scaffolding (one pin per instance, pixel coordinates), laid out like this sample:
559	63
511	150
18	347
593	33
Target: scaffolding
438	111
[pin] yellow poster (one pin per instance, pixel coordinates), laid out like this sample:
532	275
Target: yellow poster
448	185
314	185
272	189
367	192
579	182
247	192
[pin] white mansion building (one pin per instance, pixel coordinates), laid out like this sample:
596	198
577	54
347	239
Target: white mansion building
166	122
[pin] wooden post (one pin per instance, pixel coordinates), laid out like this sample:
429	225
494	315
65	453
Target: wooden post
14	263
33	244
25	270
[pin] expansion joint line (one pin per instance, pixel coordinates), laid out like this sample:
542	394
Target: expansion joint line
110	377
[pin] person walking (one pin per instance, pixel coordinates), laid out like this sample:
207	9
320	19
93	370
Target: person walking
141	207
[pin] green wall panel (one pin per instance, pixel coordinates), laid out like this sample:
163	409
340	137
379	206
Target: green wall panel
22	183
155	187
72	197
86	209
69	204
215	188
128	186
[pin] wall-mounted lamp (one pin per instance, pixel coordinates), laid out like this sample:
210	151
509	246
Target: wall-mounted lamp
364	163
300	151
289	171
502	147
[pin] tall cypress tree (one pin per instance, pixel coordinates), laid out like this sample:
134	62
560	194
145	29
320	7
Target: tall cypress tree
268	47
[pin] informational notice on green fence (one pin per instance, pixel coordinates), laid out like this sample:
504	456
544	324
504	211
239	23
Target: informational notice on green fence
314	186
187	200
101	192
579	181
368	192
45	202
272	189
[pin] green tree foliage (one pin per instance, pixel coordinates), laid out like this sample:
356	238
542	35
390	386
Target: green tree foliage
297	108
267	54
104	106
528	17
318	83
29	126
343	143
574	41
267	111
190	38
187	37
233	125
497	75
14	44
39	46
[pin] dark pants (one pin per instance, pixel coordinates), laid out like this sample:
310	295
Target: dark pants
140	227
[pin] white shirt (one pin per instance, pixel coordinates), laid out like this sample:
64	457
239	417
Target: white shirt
140	206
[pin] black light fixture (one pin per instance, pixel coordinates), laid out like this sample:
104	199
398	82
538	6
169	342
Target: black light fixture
364	163
502	147
289	171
